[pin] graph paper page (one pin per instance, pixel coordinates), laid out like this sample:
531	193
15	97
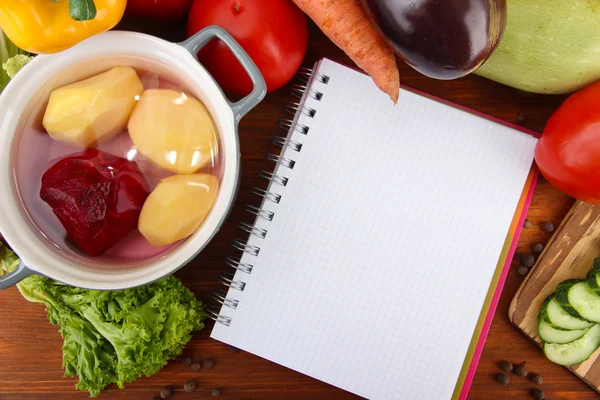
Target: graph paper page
375	267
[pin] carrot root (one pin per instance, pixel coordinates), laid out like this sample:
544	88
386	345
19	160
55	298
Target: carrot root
346	24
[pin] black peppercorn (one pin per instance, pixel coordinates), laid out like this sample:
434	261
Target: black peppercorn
548	227
537	379
538	394
526	223
189	386
166	392
233	349
527	260
537	248
520	370
216	392
187	360
521	119
196	366
502	378
506	366
522	270
209	363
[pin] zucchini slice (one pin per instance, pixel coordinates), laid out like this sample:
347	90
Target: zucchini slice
550	335
578	299
574	352
558	318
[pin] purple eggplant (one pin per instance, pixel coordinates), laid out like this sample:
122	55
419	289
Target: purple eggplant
443	39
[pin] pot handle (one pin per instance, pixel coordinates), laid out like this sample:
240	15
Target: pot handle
14	277
200	39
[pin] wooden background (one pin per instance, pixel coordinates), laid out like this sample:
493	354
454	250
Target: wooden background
30	348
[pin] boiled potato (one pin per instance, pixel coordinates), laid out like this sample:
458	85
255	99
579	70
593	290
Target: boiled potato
177	207
93	110
174	130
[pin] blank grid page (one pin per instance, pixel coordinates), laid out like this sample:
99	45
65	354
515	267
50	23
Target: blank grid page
380	254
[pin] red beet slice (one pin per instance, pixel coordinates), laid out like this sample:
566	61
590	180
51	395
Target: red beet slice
96	196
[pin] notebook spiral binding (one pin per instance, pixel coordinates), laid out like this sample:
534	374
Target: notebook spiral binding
304	75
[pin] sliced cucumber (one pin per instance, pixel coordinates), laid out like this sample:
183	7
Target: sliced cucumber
549	334
578	299
593	280
574	352
558	318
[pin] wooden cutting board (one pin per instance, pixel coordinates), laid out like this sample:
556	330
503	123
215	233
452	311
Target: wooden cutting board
569	254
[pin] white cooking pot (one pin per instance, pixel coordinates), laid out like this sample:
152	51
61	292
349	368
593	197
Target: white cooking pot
44	73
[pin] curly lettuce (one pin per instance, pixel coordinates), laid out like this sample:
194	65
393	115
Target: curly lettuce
12	59
115	336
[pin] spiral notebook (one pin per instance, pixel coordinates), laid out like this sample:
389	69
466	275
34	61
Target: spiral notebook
377	258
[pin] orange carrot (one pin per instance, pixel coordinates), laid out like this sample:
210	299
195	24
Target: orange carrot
345	22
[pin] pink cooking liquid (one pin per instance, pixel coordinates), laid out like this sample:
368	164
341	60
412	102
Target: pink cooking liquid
37	151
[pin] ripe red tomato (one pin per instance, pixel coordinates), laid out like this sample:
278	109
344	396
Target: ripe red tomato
568	153
273	32
159	10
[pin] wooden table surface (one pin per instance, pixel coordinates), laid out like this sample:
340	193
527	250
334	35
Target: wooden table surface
30	348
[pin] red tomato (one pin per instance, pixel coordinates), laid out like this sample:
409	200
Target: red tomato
568	153
273	32
159	10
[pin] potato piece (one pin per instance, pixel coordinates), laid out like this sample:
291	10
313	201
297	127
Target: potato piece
93	110
177	207
174	130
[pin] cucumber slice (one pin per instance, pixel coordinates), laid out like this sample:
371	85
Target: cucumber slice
593	280
550	335
558	318
574	352
579	300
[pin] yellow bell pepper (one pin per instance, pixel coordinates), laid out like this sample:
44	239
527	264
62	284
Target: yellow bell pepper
45	26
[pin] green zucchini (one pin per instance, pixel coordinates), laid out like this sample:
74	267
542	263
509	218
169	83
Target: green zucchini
548	334
574	352
578	299
548	46
558	318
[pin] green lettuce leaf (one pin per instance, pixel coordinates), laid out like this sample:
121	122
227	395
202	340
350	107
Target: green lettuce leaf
115	336
12	59
14	64
8	259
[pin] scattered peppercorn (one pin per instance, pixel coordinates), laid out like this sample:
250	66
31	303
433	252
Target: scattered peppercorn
527	260
196	366
506	366
548	227
216	392
502	378
233	349
526	223
520	370
523	270
189	386
537	379
538	394
166	392
538	247
187	360
521	119
209	363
